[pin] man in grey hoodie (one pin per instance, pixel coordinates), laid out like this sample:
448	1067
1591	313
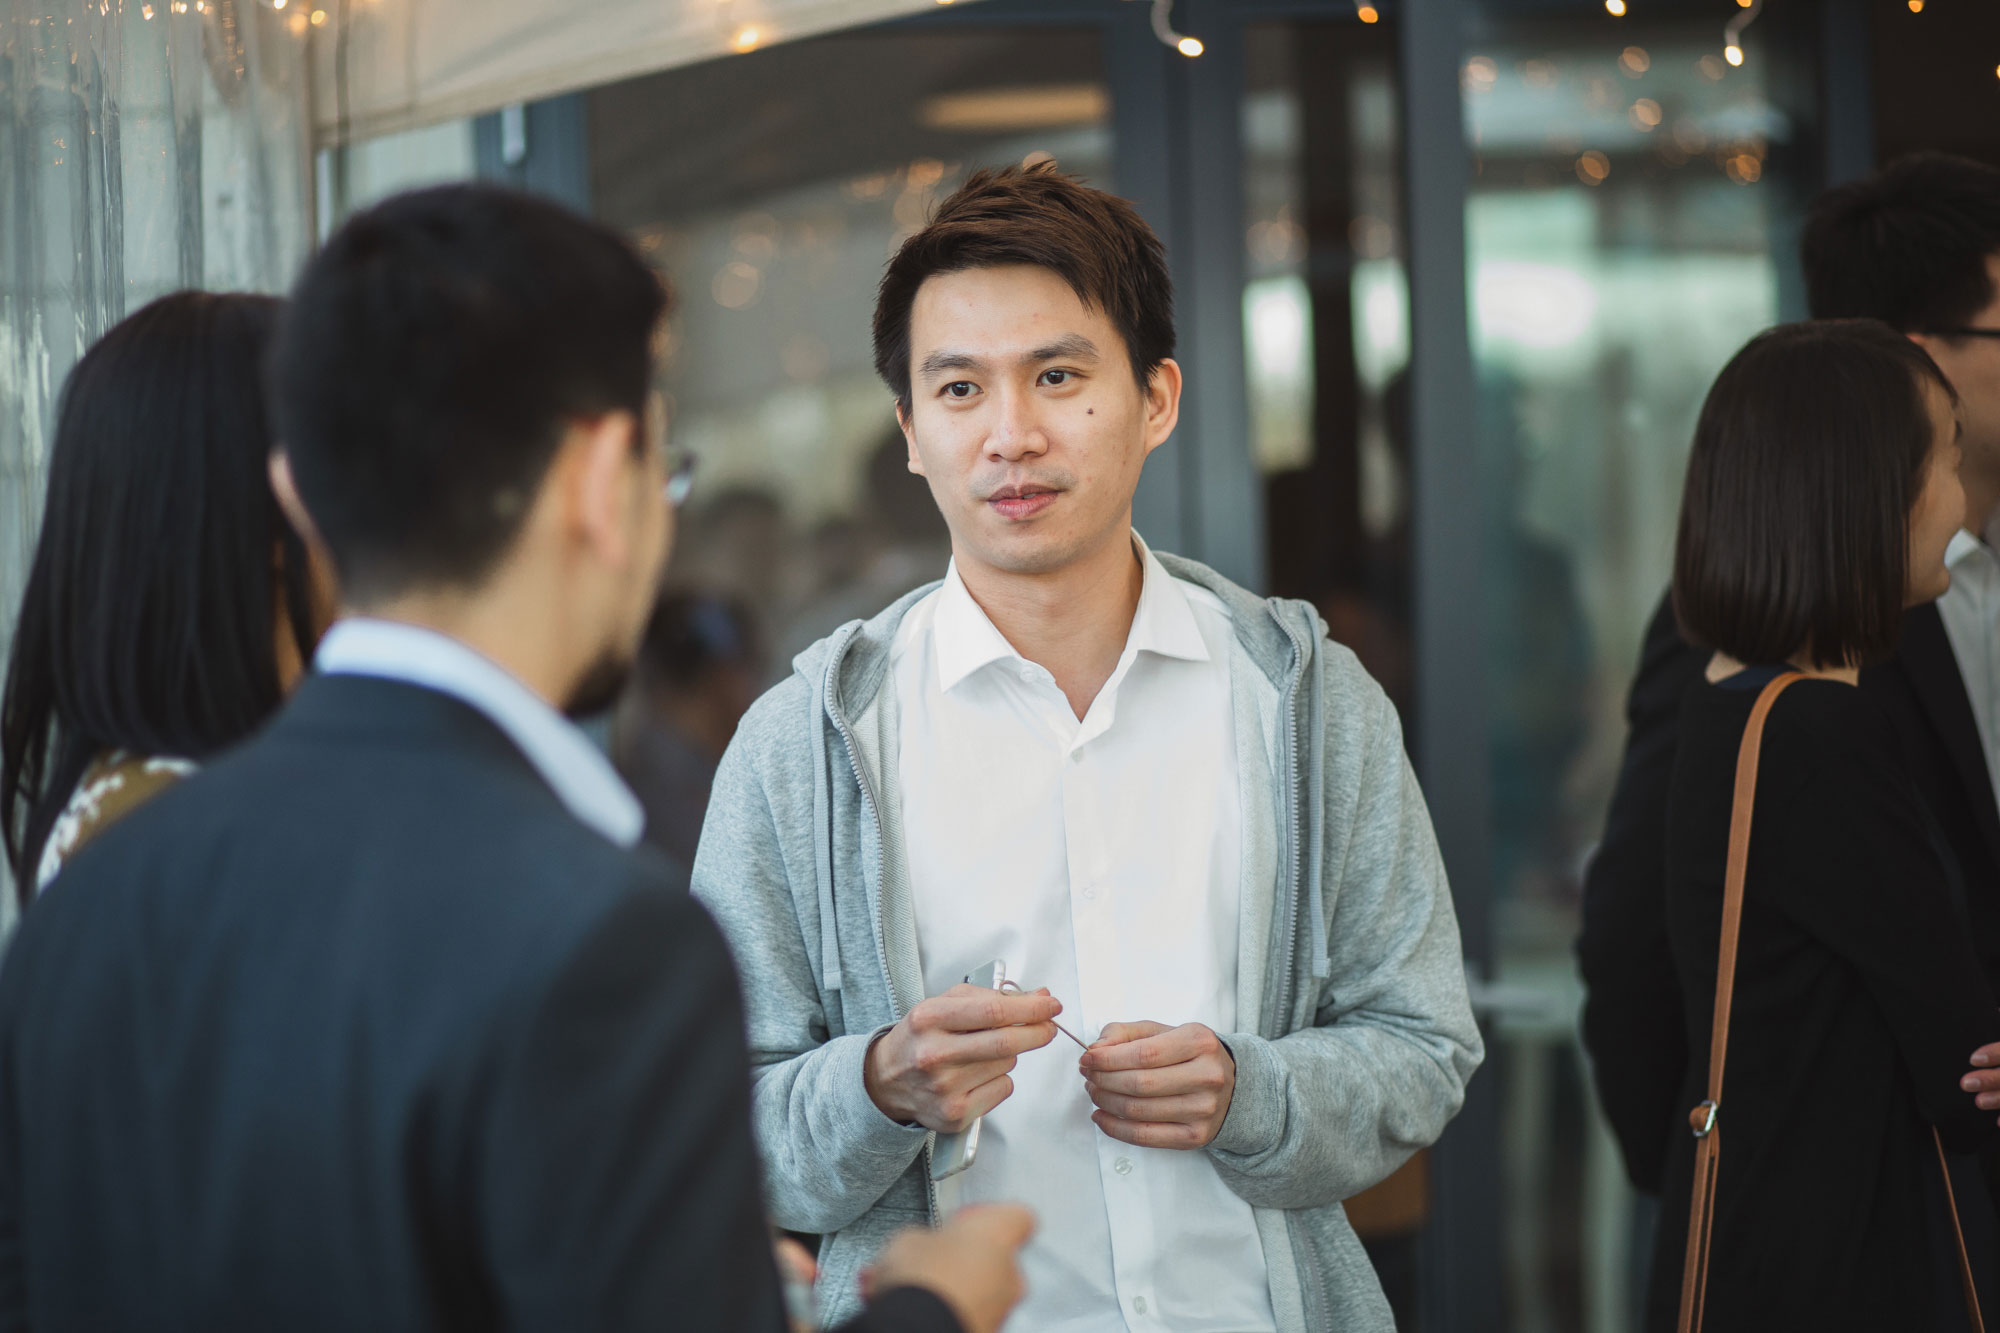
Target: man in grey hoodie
1177	814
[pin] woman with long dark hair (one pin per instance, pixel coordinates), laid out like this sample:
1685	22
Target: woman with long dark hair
170	606
1821	494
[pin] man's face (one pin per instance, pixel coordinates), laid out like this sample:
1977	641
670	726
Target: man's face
1026	419
1973	367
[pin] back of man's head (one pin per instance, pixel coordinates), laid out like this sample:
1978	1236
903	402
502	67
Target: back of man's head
1908	246
430	360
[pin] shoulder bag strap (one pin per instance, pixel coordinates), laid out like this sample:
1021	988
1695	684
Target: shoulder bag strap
1702	1120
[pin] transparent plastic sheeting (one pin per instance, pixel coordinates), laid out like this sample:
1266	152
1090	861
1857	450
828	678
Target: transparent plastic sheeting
386	65
144	147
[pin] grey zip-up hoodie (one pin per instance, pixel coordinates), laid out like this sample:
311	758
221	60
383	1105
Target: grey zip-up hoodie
1358	1035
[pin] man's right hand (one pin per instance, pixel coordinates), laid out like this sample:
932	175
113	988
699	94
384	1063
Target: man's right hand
972	1263
946	1063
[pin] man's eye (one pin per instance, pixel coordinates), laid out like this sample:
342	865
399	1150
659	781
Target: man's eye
1055	379
959	389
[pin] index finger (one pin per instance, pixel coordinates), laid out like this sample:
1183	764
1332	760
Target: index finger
972	1009
1172	1047
1003	1224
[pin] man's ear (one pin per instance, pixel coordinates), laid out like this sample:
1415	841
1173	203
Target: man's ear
1163	402
596	468
909	428
279	468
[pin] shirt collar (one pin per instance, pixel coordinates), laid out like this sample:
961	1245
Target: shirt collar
574	768
1164	623
1963	544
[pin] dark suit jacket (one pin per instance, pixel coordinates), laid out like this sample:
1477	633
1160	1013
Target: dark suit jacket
1632	1013
360	1029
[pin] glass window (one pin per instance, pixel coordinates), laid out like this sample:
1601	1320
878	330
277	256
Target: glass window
1627	229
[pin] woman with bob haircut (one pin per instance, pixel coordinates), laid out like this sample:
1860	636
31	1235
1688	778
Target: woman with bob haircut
170	607
1821	493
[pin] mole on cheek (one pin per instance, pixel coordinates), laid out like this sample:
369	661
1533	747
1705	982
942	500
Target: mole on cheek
1090	411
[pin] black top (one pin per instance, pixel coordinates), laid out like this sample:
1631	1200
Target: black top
1632	1011
1858	1001
361	1029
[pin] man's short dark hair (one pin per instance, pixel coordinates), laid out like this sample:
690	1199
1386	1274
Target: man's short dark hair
1908	246
1794	526
429	362
1095	242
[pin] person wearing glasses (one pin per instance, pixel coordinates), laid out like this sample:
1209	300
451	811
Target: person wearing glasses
1916	246
384	1020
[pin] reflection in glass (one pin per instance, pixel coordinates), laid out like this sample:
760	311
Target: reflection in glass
1623	232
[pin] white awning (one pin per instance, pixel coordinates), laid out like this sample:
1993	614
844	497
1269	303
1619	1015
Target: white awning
415	62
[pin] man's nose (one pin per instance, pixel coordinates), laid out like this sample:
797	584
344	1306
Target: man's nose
1017	428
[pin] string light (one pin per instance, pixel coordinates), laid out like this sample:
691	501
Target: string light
319	18
1367	13
1615	8
1163	29
747	38
1732	32
1916	6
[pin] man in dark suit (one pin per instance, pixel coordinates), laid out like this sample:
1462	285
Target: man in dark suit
1917	246
384	1021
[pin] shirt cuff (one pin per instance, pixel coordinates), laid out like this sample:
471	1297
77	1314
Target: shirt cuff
1256	1119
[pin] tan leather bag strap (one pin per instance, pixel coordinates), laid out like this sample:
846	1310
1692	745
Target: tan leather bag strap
1703	1120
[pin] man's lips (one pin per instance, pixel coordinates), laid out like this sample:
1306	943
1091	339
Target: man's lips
1021	502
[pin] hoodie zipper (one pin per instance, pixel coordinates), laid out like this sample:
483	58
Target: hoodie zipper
1287	987
881	863
1314	1285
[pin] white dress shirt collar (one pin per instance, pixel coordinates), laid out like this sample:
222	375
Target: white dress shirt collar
1164	623
1963	544
574	768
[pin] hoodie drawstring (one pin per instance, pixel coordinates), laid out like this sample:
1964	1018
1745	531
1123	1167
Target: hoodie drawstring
1315	784
829	930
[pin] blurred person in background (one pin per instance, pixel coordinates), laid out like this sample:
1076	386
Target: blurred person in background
385	1019
170	607
701	665
1916	246
1822	494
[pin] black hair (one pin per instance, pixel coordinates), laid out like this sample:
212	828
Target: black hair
1036	215
1908	246
149	622
432	356
1794	526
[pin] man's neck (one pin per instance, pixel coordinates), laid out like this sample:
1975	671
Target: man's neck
489	629
1982	498
1074	621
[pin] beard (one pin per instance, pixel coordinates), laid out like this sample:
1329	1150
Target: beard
599	686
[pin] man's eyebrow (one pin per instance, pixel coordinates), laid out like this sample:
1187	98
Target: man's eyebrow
1071	346
938	362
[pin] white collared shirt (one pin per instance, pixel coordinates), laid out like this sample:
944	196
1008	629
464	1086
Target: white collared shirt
574	768
1971	614
1101	859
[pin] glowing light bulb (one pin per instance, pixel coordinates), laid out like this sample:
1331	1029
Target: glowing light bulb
319	18
1733	54
1191	46
747	38
1615	8
277	4
1916	6
1368	14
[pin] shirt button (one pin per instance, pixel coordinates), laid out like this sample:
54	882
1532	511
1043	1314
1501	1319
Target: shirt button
1139	1304
1090	893
1123	1166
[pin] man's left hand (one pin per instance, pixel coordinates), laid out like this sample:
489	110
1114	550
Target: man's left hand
1159	1087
